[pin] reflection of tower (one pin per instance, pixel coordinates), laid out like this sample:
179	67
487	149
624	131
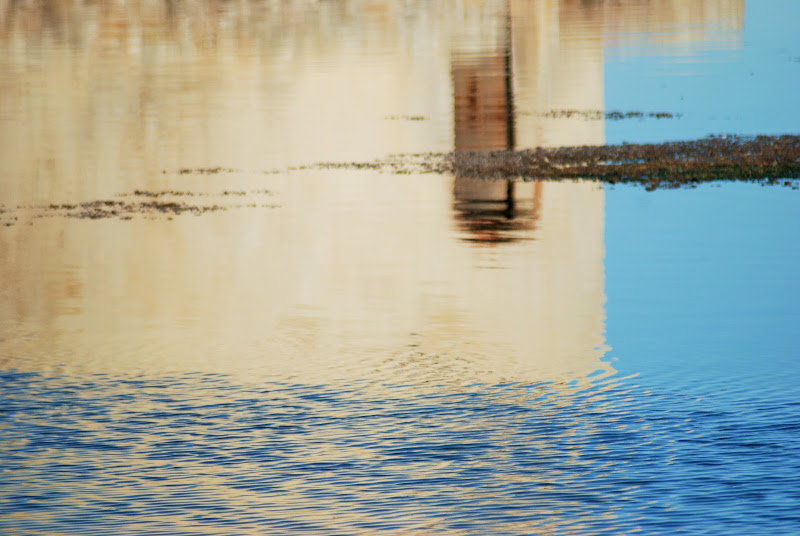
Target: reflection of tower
205	91
484	121
483	102
545	60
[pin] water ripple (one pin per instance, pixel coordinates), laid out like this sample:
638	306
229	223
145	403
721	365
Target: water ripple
203	455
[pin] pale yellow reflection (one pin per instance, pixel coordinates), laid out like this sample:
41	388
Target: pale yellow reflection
357	274
673	27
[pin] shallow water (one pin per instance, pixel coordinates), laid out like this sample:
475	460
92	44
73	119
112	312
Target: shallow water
201	332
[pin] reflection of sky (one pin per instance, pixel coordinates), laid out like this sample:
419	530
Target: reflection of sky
702	284
718	90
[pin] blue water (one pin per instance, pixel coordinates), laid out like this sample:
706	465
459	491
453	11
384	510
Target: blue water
188	455
724	310
617	361
747	89
697	432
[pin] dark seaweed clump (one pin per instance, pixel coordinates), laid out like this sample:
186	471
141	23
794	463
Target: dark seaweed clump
406	118
673	164
144	203
95	210
597	115
767	159
203	171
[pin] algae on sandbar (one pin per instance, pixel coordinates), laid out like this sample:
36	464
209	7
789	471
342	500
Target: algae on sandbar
770	159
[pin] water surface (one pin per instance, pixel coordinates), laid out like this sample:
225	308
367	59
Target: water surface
202	332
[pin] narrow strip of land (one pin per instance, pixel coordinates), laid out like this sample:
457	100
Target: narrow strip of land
768	159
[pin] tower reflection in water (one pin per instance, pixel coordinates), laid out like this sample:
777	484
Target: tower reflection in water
353	266
528	62
550	303
510	79
516	64
483	118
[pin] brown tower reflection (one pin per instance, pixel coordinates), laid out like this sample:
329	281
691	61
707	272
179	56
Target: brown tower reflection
540	56
98	99
520	62
483	99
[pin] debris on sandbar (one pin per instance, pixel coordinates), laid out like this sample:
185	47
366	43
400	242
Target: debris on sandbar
766	159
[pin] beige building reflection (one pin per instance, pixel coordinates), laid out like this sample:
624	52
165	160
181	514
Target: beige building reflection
542	56
483	117
358	274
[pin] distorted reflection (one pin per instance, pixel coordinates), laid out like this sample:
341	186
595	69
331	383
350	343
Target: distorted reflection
533	76
353	274
370	352
487	211
544	56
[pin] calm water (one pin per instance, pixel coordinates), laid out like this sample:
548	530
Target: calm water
202	333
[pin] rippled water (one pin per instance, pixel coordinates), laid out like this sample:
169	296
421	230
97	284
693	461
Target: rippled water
197	453
201	332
